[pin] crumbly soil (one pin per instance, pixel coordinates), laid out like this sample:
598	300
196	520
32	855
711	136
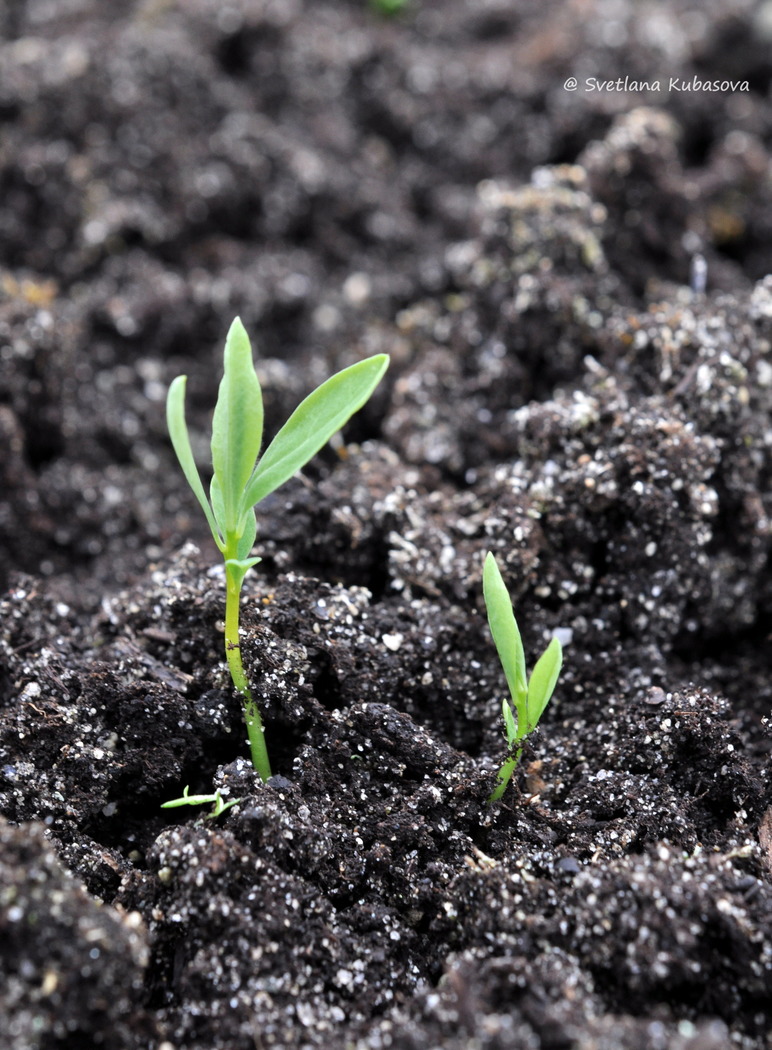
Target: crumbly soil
561	392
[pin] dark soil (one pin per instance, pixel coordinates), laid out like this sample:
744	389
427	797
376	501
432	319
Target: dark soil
562	391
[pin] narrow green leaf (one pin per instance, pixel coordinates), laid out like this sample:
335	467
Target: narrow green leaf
188	800
237	426
178	432
242	564
543	681
202	800
242	544
510	725
247	540
218	506
506	635
238	568
313	423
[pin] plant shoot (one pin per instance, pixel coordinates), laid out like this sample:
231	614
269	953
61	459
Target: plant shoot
242	477
528	697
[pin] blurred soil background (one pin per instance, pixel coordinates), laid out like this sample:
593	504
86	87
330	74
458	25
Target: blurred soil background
571	281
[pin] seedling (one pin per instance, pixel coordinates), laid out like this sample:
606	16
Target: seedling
202	800
242	477
388	8
529	697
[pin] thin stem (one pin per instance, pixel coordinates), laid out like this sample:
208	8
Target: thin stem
505	775
255	730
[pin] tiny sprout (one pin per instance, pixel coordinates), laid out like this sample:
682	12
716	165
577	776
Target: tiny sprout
242	477
529	697
202	800
388	8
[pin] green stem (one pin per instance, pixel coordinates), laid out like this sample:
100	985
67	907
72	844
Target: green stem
505	775
255	730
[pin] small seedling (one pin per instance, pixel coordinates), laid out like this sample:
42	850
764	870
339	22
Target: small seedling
202	800
242	477
529	697
388	8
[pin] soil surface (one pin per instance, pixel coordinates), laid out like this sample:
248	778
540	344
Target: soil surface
571	286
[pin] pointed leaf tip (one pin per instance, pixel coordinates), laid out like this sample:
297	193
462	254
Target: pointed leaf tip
313	423
178	432
505	633
237	426
236	331
543	680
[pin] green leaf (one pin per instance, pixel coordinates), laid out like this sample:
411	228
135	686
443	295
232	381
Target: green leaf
313	423
178	432
506	635
237	426
202	800
187	800
237	568
544	678
247	540
218	506
510	725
